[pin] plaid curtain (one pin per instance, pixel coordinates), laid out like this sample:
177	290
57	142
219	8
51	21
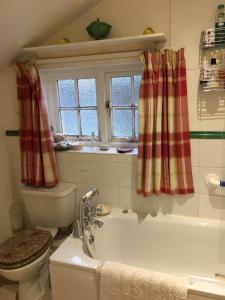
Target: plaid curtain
164	156
38	163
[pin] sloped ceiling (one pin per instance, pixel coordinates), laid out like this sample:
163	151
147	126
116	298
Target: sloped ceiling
30	22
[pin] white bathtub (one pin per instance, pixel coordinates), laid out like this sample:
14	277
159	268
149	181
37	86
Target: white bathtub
182	246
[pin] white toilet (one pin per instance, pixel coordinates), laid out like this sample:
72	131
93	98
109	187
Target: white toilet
24	255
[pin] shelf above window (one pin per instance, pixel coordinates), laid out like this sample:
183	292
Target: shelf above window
123	44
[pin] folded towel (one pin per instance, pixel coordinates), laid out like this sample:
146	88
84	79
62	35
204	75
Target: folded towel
123	282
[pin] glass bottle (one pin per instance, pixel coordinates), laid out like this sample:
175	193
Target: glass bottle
220	25
93	140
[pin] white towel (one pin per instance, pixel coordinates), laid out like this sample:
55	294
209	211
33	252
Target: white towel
123	282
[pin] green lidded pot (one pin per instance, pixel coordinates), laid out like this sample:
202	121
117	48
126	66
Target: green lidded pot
98	30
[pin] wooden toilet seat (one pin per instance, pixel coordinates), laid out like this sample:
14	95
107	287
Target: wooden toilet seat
23	248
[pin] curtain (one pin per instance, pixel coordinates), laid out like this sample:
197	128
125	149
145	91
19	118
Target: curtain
38	163
164	156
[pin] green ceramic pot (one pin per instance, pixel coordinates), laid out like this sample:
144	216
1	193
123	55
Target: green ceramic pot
98	30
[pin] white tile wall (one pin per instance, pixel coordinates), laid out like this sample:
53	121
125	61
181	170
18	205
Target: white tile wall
210	206
195	152
65	170
212	153
115	177
127	175
106	174
157	204
185	206
108	195
83	172
129	199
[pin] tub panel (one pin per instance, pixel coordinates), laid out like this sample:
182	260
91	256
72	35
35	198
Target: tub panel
83	285
72	284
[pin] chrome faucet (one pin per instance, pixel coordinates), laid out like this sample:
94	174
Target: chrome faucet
87	215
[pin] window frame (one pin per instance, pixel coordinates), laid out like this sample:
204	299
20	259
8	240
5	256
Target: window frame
49	77
77	108
132	107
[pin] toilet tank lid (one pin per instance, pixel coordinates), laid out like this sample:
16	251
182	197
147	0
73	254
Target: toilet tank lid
62	189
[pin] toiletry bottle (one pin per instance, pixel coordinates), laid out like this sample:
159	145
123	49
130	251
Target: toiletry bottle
220	25
93	140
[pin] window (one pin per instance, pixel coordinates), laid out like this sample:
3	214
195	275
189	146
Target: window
78	107
123	106
103	101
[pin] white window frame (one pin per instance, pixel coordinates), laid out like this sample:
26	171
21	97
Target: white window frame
109	76
78	108
50	76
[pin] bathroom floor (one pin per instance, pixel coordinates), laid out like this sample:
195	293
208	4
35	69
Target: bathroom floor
8	289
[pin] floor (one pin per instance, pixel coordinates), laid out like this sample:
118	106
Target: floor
8	289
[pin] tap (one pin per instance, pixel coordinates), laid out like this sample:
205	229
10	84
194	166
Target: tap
87	215
90	194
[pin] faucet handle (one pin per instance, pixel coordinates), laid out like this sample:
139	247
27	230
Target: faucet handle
99	210
95	192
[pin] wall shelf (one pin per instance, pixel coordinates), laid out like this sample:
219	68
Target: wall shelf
123	44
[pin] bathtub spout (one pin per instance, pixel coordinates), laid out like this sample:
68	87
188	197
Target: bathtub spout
77	230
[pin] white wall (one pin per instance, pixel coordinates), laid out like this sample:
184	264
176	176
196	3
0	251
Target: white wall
5	190
5	164
114	175
127	17
29	22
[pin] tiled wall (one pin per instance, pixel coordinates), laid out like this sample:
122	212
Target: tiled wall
114	174
115	177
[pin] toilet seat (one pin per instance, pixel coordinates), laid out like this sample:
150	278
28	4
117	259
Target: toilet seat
23	248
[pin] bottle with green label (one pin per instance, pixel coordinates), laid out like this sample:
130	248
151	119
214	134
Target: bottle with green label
220	26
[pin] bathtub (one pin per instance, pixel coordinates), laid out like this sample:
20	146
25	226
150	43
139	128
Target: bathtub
182	246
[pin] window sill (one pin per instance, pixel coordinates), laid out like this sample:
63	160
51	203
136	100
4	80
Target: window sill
95	154
96	150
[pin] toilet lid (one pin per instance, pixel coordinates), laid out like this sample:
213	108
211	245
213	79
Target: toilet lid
23	248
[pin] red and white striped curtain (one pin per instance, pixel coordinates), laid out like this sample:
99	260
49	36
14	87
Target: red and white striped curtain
164	156
38	163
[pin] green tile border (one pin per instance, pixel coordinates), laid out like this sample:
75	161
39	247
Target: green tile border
210	135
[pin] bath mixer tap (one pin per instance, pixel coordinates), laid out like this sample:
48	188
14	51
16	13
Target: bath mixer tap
87	215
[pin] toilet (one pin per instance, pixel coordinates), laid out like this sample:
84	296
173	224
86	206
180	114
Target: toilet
24	255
